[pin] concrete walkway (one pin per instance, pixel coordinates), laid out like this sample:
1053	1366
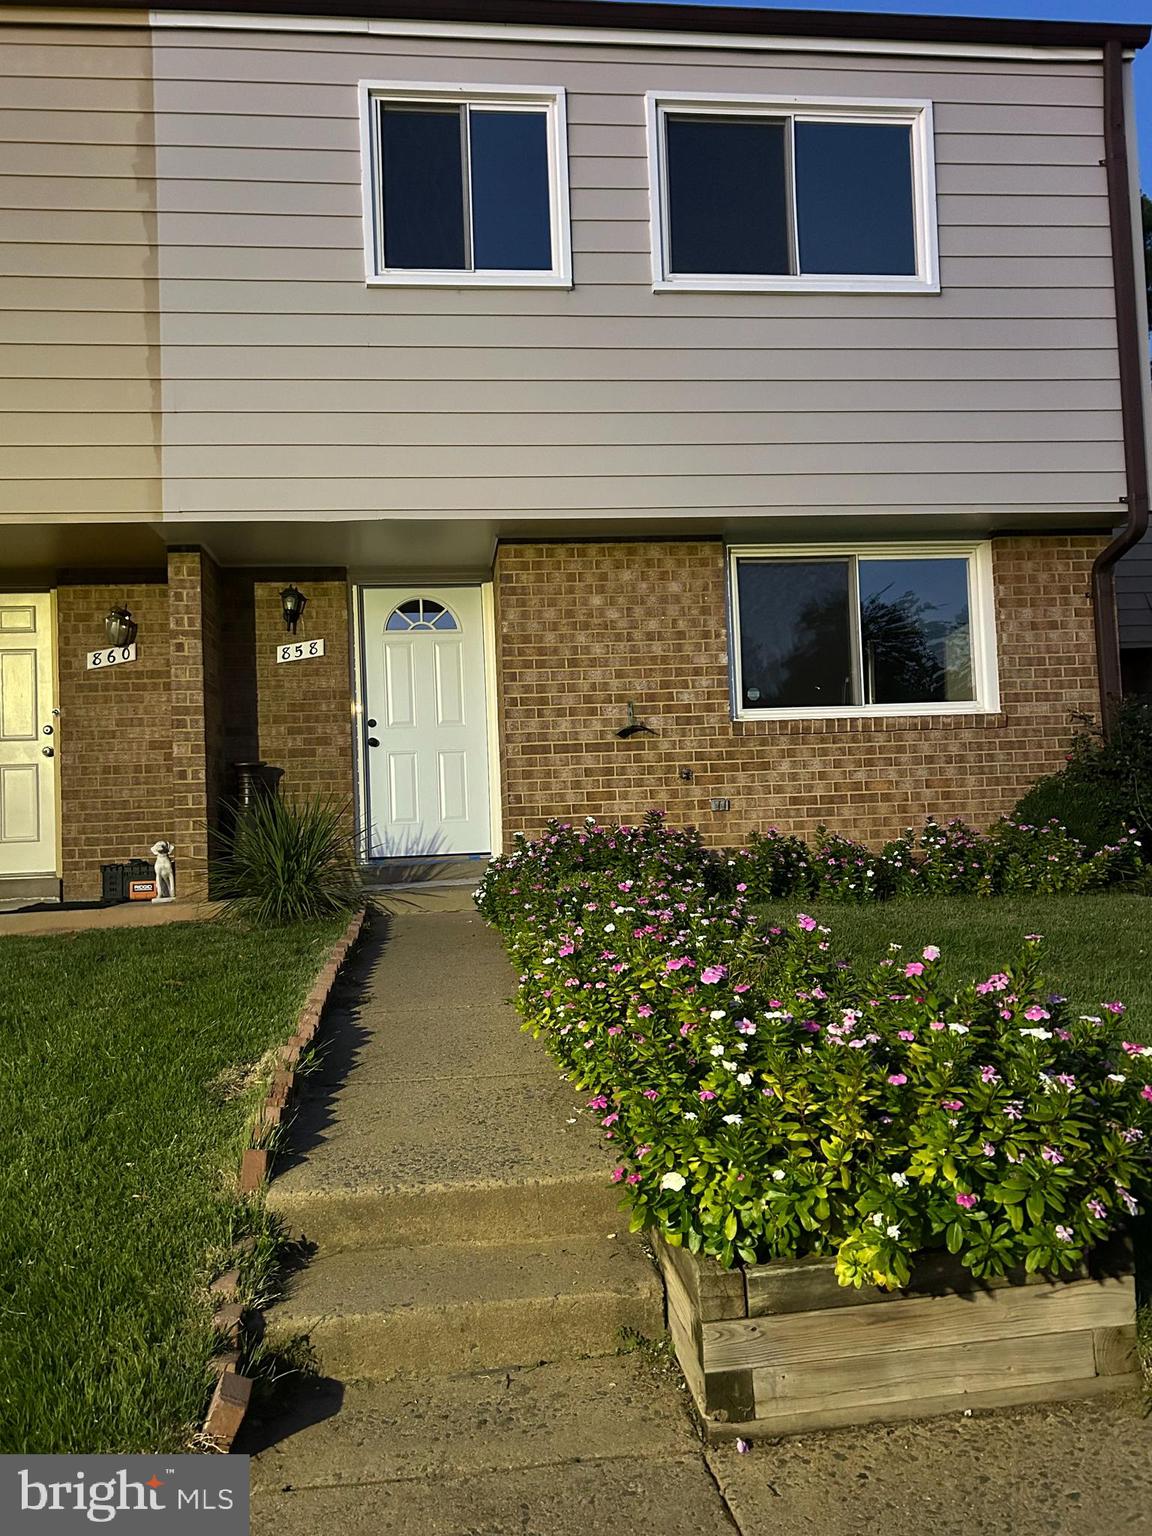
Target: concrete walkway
471	1291
44	920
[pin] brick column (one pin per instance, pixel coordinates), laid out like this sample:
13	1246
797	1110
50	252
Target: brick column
192	753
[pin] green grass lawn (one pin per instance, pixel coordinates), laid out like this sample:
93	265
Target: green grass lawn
1096	948
122	1116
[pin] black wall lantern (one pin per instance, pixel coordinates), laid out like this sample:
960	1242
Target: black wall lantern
120	627
293	603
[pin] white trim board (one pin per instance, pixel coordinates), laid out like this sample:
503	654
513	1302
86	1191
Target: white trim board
612	37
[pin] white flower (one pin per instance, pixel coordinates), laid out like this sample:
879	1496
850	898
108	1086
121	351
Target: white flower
899	1179
673	1180
688	1115
1091	1018
609	927
744	1079
877	1219
733	1119
729	1066
1038	1033
893	1231
1117	1077
958	1029
716	1050
718	1013
778	1175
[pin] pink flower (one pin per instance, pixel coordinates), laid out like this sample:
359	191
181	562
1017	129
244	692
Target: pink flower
633	1178
905	1034
651	1093
713	973
931	952
914	968
1097	1208
937	1024
567	948
642	1150
1035	1013
741	886
989	1075
1065	1234
811	1026
678	962
644	1011
599	1102
617	1175
1146	1092
705	1095
967	1201
804	921
1050	1155
609	1120
614	1029
897	1079
988	1149
1014	1110
745	1027
1114	1007
952	1103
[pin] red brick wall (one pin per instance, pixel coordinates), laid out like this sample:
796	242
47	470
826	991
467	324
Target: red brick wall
114	739
584	628
304	707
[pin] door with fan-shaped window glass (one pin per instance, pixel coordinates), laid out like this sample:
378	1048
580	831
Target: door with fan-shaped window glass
425	721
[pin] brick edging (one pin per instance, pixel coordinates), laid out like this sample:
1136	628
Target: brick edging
233	1390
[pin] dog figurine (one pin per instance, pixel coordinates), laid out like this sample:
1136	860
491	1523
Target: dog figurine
165	876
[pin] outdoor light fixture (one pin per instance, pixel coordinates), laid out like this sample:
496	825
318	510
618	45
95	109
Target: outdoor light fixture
120	627
293	603
634	727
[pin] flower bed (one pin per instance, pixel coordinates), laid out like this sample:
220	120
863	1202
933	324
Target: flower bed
767	1102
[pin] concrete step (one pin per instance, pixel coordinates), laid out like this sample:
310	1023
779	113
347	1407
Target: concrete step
333	1435
380	1216
374	1314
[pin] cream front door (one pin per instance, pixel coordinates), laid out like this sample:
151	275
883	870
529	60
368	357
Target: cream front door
425	721
27	736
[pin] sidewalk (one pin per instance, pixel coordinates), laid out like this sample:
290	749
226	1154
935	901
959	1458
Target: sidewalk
472	1290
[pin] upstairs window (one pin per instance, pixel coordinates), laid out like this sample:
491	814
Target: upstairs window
895	630
465	186
792	195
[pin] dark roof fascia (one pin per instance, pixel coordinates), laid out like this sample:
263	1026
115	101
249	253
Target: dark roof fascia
730	21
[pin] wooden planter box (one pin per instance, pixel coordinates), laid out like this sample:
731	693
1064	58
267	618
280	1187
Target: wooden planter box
782	1348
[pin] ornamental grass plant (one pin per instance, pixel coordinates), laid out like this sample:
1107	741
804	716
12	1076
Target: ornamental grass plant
288	861
768	1100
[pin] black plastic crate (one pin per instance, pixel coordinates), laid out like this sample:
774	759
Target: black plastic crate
116	878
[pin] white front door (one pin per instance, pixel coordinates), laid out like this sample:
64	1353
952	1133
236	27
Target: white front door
27	753
425	721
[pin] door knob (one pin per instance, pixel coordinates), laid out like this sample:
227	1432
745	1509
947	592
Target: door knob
47	730
48	751
373	741
371	724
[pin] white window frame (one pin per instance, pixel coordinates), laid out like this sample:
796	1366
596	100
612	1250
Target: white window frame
918	116
548	99
981	623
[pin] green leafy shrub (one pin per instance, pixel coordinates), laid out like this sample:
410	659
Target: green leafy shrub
949	859
1105	790
767	1101
288	861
